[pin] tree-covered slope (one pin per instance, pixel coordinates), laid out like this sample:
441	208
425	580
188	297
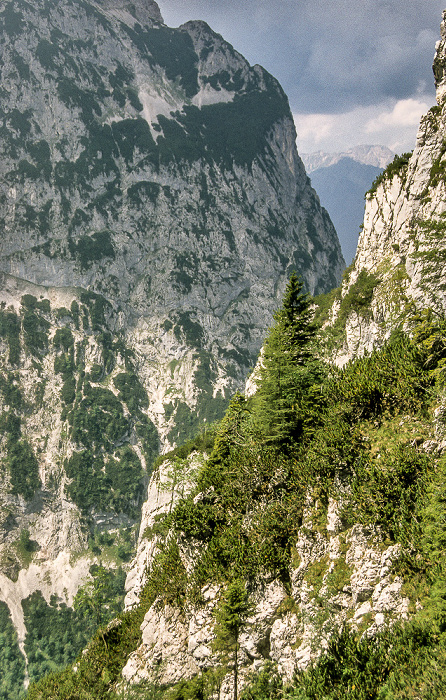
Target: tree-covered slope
333	529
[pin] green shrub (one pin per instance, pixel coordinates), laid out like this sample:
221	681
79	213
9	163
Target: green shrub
35	332
98	306
63	338
388	380
398	166
68	392
10	327
55	635
10	389
90	249
387	491
173	51
23	468
131	391
99	419
64	365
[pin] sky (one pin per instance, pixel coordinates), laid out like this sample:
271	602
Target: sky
355	71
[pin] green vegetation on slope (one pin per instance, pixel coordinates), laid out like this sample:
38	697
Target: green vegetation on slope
12	663
398	166
363	430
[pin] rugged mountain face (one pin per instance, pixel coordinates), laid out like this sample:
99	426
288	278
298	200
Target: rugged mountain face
338	572
399	263
156	167
152	205
75	447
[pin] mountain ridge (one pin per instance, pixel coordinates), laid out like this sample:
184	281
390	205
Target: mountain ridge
378	156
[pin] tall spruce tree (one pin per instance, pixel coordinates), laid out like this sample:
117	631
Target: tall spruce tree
289	369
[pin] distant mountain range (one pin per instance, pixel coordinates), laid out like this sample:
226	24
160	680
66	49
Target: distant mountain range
341	180
379	156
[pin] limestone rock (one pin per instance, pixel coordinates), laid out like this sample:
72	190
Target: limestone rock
402	242
341	576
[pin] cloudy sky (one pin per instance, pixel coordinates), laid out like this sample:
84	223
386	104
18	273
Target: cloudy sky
355	71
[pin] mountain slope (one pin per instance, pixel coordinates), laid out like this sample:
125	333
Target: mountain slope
166	180
152	206
339	539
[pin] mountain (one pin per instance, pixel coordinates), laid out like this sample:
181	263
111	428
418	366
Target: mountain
341	180
152	207
341	188
378	156
157	168
309	562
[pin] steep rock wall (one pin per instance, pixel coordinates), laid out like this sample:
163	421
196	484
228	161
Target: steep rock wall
168	181
399	262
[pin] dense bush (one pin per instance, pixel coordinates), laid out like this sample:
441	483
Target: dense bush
35	332
131	391
24	468
98	419
114	484
392	379
10	327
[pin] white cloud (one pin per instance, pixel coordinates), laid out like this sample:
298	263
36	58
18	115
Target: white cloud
406	113
393	124
314	128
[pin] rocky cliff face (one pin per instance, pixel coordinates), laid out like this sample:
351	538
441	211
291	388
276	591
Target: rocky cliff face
339	574
399	263
156	167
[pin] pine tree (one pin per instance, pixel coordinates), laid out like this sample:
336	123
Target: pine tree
231	618
289	368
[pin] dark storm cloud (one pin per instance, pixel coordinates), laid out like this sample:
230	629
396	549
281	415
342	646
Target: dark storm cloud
330	56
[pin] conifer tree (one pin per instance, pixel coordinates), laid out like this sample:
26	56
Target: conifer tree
289	368
231	618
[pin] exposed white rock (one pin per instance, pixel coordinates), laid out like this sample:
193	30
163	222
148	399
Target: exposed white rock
400	218
349	570
168	484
